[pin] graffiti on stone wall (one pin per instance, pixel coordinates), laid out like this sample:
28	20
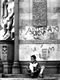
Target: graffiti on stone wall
40	32
42	51
7	20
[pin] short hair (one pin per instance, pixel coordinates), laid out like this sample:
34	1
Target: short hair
33	56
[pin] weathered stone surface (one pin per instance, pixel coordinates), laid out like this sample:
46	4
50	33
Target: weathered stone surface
42	51
39	12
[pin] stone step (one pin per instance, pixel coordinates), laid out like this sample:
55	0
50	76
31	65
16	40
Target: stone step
25	79
25	76
17	75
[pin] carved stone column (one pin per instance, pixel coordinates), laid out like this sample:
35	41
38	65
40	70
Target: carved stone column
16	44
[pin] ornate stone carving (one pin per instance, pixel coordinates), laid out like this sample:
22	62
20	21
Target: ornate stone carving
4	52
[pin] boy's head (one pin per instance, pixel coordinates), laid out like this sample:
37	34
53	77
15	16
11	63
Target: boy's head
33	58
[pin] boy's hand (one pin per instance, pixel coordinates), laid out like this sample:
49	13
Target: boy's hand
40	75
35	71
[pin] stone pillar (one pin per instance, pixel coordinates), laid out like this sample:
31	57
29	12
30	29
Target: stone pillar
16	44
0	12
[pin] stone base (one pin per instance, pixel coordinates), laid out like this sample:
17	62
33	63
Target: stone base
5	67
11	68
15	68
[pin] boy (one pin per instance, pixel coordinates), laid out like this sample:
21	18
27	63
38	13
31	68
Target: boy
34	69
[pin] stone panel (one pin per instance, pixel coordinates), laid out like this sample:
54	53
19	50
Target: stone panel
39	12
42	51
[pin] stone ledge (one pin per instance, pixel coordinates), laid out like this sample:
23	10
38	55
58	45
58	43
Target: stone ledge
6	41
39	41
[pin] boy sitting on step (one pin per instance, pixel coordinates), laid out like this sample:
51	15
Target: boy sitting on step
34	69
